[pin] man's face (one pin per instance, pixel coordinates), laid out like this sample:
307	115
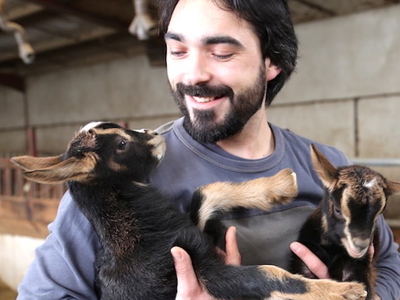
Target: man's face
215	68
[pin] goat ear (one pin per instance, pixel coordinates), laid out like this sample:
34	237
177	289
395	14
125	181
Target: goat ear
31	163
72	169
393	187
325	170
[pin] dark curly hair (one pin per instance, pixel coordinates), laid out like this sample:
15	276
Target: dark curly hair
271	21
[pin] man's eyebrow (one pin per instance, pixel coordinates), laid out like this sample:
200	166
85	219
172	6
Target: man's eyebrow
173	36
213	40
210	40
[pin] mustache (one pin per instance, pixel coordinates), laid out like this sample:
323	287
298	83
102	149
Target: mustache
204	90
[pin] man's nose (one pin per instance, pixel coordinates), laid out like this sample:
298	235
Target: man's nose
197	69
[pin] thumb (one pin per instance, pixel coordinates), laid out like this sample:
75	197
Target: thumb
187	280
232	251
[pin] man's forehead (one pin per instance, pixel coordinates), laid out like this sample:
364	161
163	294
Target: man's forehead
200	11
206	23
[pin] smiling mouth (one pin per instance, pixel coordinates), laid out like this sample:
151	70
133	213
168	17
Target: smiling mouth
205	99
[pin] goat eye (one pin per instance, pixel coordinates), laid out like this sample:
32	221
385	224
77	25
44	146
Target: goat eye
338	212
122	145
79	153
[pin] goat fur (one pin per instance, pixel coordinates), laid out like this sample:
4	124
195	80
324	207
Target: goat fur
106	168
343	227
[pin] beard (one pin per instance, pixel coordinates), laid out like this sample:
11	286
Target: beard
202	126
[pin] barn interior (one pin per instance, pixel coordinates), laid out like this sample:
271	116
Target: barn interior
64	63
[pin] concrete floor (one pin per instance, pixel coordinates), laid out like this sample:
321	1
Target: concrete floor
6	293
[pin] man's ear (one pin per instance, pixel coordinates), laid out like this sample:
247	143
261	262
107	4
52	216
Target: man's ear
271	70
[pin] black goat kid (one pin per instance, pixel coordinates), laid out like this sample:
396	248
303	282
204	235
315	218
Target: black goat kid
106	167
343	227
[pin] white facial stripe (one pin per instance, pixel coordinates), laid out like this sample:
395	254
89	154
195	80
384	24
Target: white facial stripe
370	184
140	130
89	126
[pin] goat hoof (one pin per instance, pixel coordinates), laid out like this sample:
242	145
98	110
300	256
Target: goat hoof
333	290
354	291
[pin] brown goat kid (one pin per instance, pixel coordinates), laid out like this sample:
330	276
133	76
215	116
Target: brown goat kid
106	168
343	227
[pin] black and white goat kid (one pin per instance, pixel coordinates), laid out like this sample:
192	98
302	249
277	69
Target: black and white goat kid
106	168
343	227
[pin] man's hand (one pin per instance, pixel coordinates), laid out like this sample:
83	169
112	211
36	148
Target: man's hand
188	285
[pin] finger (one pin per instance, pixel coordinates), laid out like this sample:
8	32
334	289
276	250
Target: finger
371	252
188	284
316	266
232	250
220	252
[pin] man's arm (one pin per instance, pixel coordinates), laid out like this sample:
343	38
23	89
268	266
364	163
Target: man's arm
63	265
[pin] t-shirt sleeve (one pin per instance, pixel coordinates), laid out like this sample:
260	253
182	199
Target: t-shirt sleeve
63	267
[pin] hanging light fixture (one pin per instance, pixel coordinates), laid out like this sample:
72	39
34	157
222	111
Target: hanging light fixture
143	25
26	52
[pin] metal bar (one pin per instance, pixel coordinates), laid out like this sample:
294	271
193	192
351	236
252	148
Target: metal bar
377	162
393	223
318	7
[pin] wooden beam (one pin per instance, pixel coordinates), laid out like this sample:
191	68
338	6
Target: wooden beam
320	8
23	11
86	15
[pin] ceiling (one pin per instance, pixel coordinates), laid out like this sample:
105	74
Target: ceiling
66	33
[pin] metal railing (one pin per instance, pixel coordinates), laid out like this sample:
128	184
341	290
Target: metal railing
376	162
26	207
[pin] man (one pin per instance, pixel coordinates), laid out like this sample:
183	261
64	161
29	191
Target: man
226	61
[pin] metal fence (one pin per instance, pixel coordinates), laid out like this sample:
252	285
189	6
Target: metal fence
26	207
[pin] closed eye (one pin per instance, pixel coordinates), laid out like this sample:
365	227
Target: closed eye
223	56
177	53
338	212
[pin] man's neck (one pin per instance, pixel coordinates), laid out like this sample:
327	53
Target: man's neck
255	141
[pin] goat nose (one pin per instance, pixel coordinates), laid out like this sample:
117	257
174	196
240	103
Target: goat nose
361	243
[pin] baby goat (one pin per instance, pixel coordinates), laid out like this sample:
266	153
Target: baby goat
106	167
343	227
